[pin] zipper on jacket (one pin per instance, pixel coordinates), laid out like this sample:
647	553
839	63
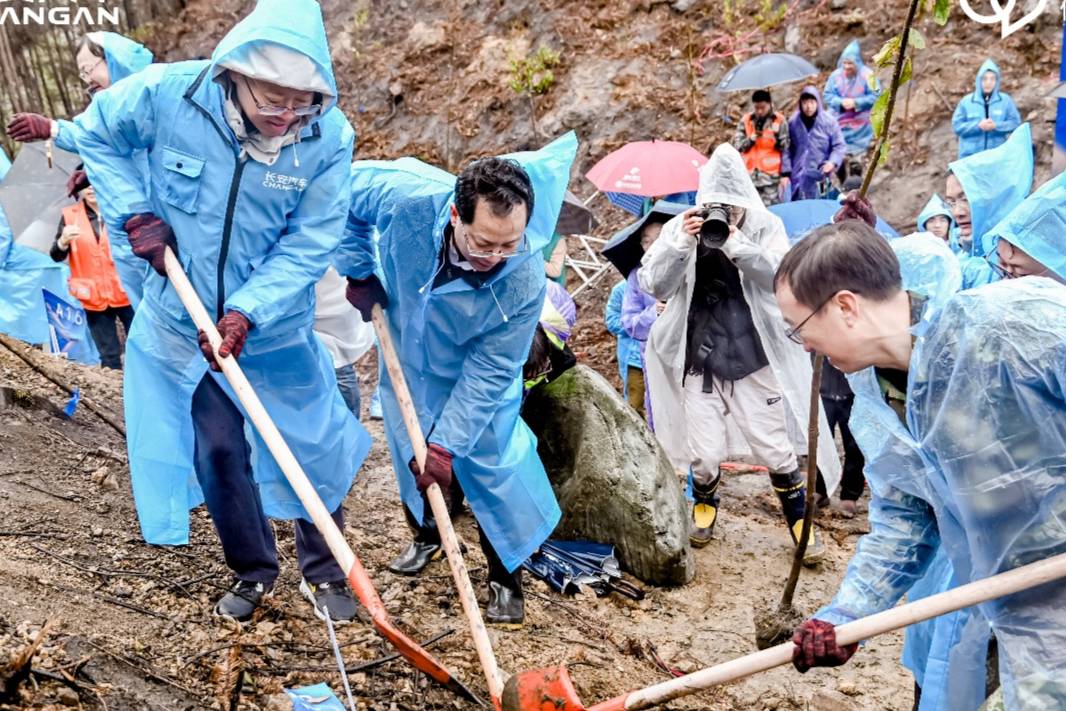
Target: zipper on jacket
227	231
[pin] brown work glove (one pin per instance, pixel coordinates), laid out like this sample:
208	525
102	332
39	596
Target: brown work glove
856	208
233	327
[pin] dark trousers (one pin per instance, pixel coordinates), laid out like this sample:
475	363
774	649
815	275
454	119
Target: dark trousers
427	532
837	412
104	329
224	470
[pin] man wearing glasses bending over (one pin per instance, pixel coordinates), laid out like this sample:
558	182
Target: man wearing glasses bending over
459	269
983	376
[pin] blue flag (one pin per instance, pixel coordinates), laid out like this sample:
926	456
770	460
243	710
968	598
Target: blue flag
68	330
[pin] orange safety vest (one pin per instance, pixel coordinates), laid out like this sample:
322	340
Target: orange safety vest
93	279
763	155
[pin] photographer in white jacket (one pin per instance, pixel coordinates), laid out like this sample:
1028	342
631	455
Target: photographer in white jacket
719	360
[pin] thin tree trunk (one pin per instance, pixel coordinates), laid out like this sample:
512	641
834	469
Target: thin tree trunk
19	97
59	71
45	91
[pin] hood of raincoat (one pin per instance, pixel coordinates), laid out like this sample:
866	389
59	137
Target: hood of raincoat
558	315
995	181
988	66
300	57
1038	225
123	55
853	52
813	92
724	179
928	267
935	206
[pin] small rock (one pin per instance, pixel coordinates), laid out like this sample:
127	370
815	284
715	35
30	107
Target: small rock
848	688
97	531
683	5
68	697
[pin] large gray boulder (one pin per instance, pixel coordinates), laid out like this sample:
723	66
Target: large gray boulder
613	481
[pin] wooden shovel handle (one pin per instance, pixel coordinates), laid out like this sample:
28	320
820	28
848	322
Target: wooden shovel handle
996	586
450	541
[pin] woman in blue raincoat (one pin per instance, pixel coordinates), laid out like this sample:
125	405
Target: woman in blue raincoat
850	93
984	378
1031	240
463	325
981	190
103	58
985	118
249	162
627	351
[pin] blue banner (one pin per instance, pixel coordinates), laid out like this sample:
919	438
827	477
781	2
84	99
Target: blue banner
1059	161
69	330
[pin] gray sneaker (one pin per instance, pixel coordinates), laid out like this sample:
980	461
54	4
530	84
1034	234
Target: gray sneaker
243	599
334	596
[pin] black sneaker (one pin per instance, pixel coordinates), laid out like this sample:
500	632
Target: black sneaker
243	599
334	596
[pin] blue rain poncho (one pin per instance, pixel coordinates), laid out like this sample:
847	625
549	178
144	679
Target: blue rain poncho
253	238
462	348
23	273
1038	226
937	206
124	57
627	351
972	110
863	88
976	470
995	182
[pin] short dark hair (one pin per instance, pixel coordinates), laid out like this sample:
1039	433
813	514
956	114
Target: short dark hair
501	182
761	95
847	255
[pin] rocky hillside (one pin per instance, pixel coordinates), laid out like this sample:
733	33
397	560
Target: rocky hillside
432	78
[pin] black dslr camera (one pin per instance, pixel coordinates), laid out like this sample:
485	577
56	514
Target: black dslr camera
715	228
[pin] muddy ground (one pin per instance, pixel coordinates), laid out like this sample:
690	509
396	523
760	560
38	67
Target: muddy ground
133	630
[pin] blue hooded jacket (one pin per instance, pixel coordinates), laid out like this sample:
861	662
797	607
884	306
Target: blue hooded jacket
995	182
124	57
253	238
973	109
936	206
462	346
810	149
1038	226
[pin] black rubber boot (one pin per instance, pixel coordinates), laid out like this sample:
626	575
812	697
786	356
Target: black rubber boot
506	604
704	512
425	547
791	490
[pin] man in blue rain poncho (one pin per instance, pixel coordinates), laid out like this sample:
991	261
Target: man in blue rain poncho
985	118
981	190
1031	240
250	161
462	278
103	58
983	380
850	93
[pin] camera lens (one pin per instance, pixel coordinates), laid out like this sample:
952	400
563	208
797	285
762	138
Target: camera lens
715	228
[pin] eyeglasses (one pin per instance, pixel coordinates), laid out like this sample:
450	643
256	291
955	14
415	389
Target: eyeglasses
992	260
793	333
85	73
272	110
952	202
472	247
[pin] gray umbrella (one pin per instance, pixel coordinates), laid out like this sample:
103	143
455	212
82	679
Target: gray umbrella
34	195
574	217
766	70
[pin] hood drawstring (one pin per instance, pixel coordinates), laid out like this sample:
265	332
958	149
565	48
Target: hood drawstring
500	308
432	278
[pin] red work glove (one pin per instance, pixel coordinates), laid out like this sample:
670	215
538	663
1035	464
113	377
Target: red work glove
77	182
816	646
364	293
233	327
26	128
856	208
438	469
149	237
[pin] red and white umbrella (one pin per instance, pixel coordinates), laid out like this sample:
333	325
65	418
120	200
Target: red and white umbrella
649	168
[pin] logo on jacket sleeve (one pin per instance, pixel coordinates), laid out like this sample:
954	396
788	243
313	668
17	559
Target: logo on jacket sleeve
280	181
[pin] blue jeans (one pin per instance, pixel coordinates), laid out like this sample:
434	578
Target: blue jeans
224	470
348	384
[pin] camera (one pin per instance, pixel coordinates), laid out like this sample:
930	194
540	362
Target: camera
715	228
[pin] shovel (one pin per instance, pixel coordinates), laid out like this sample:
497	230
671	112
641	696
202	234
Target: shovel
552	689
294	473
448	538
